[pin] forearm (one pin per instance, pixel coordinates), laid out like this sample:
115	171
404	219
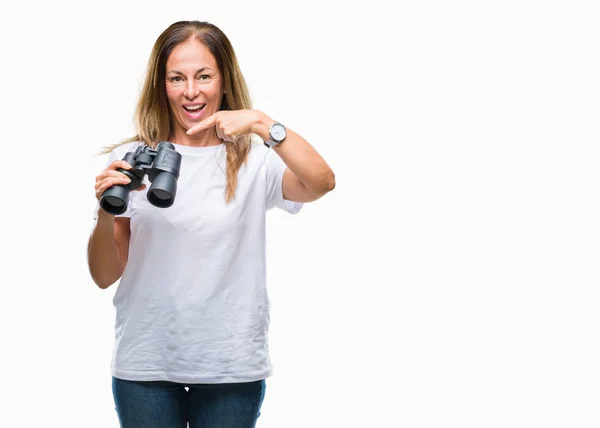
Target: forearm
104	260
299	156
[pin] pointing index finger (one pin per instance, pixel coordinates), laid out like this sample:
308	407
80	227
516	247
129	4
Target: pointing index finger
205	124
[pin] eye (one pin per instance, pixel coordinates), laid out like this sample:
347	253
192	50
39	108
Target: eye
204	77
175	79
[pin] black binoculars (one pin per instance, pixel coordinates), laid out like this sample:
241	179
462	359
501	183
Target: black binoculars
162	166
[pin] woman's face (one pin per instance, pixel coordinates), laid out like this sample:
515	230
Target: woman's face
194	85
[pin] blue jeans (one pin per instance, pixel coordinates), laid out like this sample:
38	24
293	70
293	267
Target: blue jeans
162	404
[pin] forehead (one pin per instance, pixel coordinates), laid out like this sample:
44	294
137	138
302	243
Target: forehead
191	55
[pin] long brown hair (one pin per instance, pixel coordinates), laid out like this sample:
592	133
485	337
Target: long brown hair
153	117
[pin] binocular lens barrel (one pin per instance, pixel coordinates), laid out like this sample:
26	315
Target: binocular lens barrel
113	200
162	192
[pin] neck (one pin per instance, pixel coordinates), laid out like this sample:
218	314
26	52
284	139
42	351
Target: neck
204	138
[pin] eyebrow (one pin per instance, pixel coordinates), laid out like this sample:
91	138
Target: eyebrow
199	71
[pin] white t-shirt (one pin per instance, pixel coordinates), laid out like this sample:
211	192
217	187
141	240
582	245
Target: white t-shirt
192	304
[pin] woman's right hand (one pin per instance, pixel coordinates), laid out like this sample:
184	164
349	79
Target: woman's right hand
110	176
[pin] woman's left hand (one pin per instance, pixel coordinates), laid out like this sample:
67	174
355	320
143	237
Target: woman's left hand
229	124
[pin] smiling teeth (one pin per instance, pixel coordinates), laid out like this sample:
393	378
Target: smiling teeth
198	107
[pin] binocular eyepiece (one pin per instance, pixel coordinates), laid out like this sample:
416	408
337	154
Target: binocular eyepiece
162	166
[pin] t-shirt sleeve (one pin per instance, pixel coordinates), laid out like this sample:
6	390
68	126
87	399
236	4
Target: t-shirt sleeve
275	167
111	158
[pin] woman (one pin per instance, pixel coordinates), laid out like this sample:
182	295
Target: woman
192	311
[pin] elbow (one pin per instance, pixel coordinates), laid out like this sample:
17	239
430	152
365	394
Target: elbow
327	183
103	279
102	283
330	183
105	274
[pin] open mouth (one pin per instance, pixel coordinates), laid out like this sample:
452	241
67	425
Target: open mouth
194	111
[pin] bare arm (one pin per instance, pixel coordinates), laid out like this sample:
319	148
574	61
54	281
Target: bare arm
307	177
108	249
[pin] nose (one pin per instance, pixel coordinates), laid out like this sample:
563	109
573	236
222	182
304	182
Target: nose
192	89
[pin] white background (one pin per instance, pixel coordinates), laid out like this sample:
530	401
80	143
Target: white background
450	279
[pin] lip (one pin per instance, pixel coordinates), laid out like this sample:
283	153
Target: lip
195	115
